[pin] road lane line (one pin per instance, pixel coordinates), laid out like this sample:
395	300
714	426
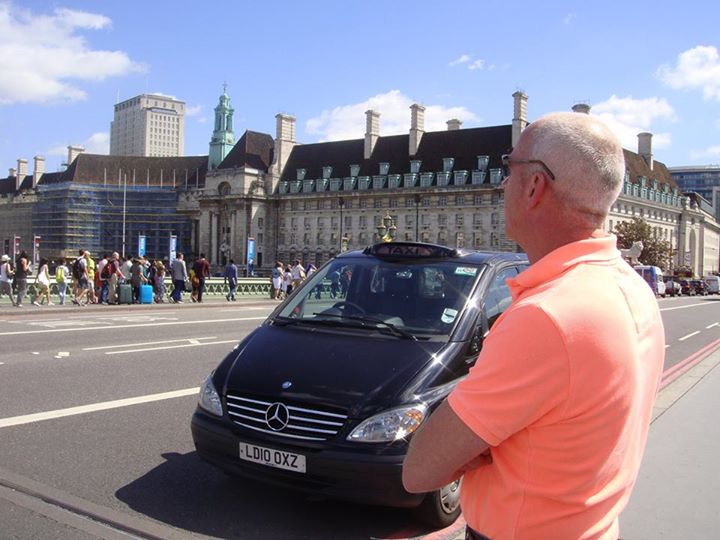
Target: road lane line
145	343
173	347
94	407
118	326
713	324
688	306
695	333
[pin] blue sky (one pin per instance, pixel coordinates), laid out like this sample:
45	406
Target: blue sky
642	66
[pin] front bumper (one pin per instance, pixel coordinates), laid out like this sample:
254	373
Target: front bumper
331	473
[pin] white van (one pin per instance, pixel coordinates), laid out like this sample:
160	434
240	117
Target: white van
653	277
713	284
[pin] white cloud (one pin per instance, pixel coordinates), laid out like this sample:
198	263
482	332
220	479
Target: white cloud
193	110
627	117
698	67
710	152
348	121
461	60
570	17
41	54
97	143
472	65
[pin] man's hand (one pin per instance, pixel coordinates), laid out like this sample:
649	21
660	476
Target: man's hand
442	450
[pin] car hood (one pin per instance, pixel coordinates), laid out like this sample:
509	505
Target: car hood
356	371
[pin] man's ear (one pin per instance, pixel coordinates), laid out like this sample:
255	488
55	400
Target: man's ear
535	190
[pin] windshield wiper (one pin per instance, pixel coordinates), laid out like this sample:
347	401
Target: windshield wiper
364	319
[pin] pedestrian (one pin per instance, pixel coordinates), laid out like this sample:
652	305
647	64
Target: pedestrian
287	281
80	279
137	278
42	284
179	275
159	282
276	277
202	272
334	283
6	277
231	279
62	274
22	267
194	285
116	277
91	266
550	424
298	274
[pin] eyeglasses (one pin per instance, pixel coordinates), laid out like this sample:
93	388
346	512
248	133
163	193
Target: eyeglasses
507	161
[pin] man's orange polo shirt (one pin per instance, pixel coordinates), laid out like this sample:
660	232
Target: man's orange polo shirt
563	392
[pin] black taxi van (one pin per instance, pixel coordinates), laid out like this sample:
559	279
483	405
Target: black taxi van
325	394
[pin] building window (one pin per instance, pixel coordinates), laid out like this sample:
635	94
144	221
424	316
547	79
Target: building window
448	163
442	220
477	200
415	165
293	223
261	223
425	201
363	203
393	203
320	222
384	168
377	203
348	222
354	170
294	205
459	200
459	220
442	201
477	220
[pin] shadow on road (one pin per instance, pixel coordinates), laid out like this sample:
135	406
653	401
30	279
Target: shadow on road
187	493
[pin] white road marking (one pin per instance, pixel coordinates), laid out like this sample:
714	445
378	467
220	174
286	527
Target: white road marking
144	343
666	346
117	326
102	406
688	306
62	354
713	324
689	335
2	363
172	347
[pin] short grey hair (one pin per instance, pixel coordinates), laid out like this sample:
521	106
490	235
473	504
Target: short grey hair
586	158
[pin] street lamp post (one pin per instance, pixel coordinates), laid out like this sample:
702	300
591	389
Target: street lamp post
341	203
386	229
416	198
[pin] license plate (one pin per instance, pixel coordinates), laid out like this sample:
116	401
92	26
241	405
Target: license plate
272	458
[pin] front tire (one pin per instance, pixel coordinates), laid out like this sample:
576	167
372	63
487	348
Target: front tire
441	508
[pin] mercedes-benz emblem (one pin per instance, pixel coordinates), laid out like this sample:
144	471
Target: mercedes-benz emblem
277	416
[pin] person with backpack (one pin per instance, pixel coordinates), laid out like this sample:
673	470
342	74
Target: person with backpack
6	276
80	279
61	278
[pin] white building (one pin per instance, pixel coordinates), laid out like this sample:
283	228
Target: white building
148	125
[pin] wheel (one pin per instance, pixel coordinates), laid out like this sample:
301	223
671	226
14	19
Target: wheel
344	304
441	508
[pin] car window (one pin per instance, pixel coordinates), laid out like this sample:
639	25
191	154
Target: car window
422	297
498	297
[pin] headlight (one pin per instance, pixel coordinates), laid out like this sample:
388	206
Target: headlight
391	425
209	400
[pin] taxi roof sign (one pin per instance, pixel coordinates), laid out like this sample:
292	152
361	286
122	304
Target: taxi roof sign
410	250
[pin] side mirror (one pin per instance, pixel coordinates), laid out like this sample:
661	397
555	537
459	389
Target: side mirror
476	340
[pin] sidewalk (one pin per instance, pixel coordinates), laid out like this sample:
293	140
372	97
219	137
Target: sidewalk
676	492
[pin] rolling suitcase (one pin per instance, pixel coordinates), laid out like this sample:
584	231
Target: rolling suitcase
125	294
146	294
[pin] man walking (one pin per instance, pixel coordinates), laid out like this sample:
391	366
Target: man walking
202	271
231	278
550	425
179	274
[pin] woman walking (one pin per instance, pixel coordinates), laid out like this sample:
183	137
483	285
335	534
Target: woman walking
62	275
6	278
42	284
21	273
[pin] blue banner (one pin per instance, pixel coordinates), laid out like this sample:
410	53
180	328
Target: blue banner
250	255
141	245
173	248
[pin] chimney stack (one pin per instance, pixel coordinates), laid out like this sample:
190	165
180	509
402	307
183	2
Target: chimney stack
284	139
38	170
417	127
73	152
21	172
645	148
519	122
372	131
454	124
581	108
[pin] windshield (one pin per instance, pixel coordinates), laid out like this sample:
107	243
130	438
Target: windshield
418	297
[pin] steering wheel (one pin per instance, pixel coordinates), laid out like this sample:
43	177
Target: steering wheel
344	304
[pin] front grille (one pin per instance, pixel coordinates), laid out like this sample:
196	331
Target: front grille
298	422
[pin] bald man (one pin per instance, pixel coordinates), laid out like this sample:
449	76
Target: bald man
550	425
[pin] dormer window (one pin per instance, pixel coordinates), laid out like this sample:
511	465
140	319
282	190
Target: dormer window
327	171
483	162
415	165
301	174
448	163
384	168
354	170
